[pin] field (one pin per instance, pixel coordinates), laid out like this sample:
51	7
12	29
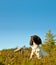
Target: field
8	57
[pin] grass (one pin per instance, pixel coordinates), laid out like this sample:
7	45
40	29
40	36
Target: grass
8	57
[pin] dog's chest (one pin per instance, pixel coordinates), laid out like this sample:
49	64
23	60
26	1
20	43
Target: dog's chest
35	47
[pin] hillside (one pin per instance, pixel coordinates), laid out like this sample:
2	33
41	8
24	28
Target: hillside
8	57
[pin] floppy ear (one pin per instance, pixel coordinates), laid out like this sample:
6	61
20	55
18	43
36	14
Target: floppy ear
37	40
31	40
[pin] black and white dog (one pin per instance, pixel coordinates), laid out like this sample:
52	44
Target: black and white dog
35	42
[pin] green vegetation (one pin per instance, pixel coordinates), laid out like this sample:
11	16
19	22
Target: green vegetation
50	38
8	57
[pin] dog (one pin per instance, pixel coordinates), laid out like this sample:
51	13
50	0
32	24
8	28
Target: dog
35	42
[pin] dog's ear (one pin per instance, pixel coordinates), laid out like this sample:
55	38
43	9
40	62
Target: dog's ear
37	39
31	40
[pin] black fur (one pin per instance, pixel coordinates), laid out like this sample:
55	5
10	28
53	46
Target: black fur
35	39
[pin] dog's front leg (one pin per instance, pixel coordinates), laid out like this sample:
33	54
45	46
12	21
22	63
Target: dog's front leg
38	53
32	52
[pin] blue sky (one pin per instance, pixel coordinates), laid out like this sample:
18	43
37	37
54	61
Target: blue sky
19	19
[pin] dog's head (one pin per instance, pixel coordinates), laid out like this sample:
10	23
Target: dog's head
35	39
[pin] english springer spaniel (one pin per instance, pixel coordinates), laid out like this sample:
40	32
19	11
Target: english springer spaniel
35	42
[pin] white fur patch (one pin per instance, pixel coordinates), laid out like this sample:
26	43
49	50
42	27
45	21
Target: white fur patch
38	51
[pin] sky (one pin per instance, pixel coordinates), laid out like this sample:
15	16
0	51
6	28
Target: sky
19	19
